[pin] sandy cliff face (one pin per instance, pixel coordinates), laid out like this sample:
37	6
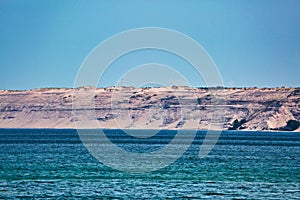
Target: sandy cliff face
153	108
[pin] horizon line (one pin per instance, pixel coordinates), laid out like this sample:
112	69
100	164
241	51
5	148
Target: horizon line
148	87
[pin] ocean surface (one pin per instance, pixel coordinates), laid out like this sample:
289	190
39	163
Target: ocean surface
49	163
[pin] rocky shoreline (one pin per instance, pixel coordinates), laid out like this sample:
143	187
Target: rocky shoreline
152	108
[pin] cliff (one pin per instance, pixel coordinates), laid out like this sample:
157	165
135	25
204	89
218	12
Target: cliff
153	108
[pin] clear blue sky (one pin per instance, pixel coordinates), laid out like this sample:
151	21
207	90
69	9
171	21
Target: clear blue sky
253	42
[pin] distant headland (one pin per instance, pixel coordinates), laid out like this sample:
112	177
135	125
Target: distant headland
176	107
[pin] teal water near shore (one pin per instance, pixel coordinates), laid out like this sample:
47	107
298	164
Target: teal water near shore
52	163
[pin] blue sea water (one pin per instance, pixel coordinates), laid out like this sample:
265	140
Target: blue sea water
52	163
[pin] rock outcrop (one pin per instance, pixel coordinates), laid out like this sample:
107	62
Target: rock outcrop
151	108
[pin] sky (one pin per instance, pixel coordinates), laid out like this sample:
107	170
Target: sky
254	43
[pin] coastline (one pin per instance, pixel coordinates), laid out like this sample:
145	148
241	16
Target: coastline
167	108
197	130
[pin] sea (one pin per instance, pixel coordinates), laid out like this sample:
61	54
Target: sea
56	164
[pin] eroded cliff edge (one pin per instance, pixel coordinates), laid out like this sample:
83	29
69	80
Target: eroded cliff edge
153	108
